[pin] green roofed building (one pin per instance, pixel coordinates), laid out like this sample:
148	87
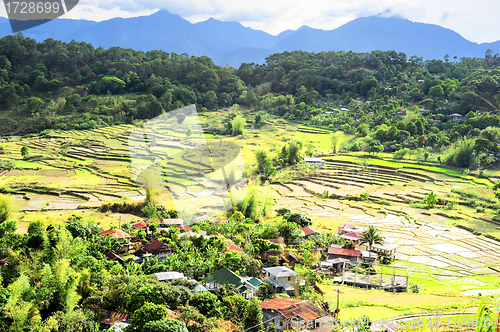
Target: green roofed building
246	286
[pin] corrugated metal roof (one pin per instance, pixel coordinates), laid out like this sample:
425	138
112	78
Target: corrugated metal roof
344	252
223	276
176	221
111	256
280	271
255	281
116	234
183	228
161	276
233	247
347	226
113	317
290	308
156	246
265	256
309	230
350	236
140	224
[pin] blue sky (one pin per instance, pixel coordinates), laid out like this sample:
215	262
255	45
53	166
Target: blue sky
475	20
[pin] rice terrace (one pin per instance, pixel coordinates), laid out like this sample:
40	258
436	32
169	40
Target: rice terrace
77	171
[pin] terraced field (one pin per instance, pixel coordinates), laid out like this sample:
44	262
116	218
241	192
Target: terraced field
435	244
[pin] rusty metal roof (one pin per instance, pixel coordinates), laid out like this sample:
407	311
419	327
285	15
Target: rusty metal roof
111	256
183	228
140	224
344	252
116	234
290	308
232	246
155	246
309	230
114	316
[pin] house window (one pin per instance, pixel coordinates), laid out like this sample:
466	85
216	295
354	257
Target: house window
289	278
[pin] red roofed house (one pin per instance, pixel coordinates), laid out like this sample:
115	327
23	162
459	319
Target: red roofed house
348	228
309	231
116	234
456	117
353	255
232	247
351	236
155	248
121	236
183	228
140	224
111	256
288	314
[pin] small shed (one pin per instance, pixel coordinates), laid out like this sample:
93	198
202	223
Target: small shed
315	162
385	250
353	255
167	276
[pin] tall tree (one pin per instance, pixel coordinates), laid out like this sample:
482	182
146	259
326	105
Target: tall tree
372	236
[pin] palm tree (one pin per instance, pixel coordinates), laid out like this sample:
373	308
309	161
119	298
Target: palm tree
372	236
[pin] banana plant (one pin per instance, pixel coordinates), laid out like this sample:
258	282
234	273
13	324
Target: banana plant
487	317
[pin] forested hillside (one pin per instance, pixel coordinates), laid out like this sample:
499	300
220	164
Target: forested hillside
54	85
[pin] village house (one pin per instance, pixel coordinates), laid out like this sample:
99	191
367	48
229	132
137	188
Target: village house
155	248
292	314
456	117
183	228
232	247
112	318
170	222
279	241
122	237
385	250
111	256
140	225
247	287
174	276
352	255
169	276
348	228
309	232
286	257
281	279
351	236
333	267
315	162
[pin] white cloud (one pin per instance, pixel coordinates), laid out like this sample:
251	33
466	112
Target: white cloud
474	20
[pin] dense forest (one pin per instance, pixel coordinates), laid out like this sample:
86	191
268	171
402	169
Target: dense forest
56	85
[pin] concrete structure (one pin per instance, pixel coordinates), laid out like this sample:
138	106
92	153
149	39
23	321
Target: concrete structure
281	279
315	162
385	250
352	255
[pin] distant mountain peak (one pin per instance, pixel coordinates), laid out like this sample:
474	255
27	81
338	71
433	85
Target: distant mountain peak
233	43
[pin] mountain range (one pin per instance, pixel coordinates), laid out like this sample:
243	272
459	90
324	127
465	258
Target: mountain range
232	43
